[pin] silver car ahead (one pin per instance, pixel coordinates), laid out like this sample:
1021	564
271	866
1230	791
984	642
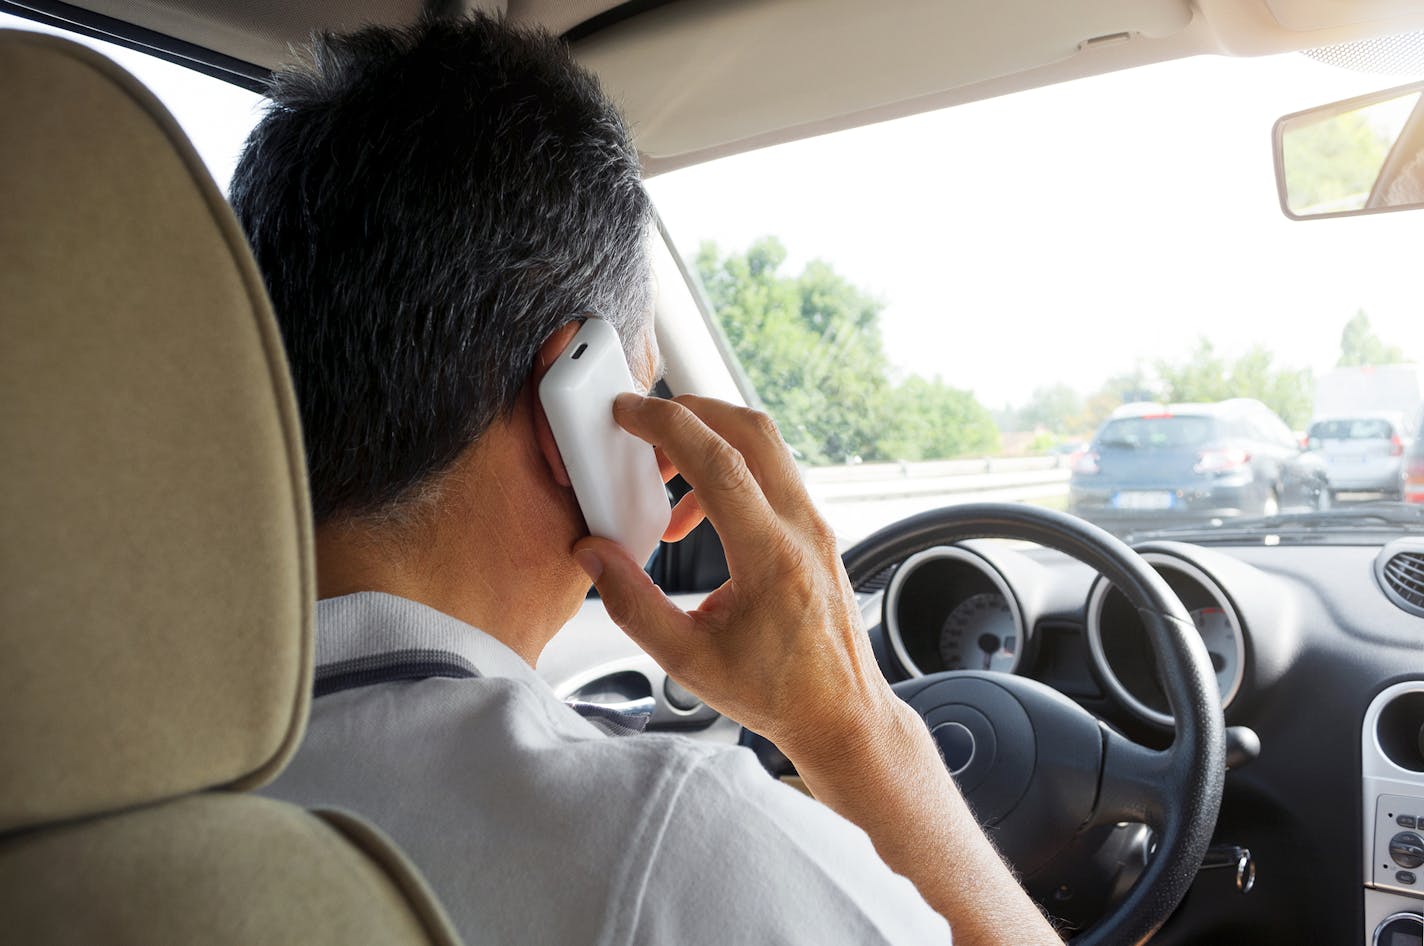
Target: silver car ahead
1364	453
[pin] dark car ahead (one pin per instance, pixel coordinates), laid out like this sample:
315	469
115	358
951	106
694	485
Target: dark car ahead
1157	464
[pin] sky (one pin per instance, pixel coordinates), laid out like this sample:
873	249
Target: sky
1058	235
1069	233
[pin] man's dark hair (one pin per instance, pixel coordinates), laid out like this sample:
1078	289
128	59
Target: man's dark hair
427	205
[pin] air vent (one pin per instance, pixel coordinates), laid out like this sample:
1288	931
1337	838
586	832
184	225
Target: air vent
1400	569
1404	575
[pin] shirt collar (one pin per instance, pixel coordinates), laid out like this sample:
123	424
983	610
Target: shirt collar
373	624
372	637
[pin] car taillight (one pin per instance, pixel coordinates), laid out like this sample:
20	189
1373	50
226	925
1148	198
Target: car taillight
1086	464
1221	460
1414	480
1396	446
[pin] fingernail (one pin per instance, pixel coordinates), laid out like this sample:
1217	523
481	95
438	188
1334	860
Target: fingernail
590	563
626	401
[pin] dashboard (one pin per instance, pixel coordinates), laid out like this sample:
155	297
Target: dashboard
1319	655
1318	651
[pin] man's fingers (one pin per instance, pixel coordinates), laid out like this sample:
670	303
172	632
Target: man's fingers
686	516
726	489
665	466
755	436
635	604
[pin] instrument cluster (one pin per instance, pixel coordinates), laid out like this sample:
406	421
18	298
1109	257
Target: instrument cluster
975	606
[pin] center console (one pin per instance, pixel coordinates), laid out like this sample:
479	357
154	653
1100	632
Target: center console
1392	765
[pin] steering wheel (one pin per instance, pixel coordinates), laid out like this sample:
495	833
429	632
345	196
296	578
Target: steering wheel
1037	769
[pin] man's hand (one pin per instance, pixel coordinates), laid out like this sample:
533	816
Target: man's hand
780	648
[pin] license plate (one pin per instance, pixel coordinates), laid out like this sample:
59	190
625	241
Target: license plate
1142	499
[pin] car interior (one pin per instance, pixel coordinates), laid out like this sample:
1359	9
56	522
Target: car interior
1213	734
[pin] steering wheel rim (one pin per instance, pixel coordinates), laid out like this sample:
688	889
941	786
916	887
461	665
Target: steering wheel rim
1190	773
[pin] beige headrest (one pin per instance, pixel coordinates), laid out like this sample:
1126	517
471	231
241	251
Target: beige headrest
156	578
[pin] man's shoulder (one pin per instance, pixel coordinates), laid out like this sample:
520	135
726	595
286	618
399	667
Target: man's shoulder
662	827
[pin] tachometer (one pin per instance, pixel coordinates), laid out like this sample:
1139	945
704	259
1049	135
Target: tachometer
1222	645
980	634
1123	654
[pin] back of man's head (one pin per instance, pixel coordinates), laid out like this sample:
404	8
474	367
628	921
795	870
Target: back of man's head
427	206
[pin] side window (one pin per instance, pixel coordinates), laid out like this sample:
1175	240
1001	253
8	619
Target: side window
215	115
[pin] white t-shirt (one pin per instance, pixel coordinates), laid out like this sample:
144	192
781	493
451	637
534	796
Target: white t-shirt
533	826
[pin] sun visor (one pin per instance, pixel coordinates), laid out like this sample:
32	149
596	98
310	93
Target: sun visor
1307	15
693	77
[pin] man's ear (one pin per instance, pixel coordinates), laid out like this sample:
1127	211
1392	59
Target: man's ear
548	353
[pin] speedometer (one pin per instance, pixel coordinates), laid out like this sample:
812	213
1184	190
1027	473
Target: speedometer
981	633
949	608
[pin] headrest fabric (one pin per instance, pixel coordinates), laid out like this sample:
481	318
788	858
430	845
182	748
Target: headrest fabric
156	577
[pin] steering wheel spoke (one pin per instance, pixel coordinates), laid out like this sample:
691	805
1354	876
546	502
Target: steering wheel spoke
1135	784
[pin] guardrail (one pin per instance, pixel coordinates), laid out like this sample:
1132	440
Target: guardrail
935	468
879	481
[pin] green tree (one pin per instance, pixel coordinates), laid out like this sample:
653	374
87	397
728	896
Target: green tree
1332	165
1057	408
1203	376
1207	376
1359	345
811	346
1113	393
935	420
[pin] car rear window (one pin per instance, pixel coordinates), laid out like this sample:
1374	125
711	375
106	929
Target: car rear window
1370	428
1177	430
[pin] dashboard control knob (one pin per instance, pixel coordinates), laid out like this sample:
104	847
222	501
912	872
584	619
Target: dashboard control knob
1407	849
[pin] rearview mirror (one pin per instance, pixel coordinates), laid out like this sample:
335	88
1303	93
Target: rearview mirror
1360	156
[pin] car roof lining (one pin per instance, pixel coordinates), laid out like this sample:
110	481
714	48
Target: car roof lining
700	79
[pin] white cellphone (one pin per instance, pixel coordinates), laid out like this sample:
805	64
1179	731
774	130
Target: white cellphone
614	474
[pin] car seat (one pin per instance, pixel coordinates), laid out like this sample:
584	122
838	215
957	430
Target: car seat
156	574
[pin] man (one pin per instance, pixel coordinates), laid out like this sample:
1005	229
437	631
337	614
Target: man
434	209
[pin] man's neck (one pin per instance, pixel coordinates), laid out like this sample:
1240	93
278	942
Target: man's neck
486	550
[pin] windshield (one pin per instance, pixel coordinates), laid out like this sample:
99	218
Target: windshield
988	302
